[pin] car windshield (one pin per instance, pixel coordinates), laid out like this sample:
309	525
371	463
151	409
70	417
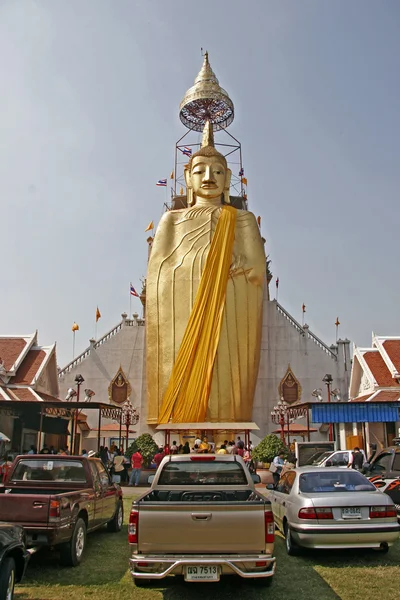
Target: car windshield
49	470
336	481
202	473
321	458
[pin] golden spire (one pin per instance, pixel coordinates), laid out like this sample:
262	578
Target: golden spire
206	101
208	135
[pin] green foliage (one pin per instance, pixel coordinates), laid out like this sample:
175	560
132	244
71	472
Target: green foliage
146	446
268	448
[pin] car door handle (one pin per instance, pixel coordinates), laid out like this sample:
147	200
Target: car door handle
201	516
37	504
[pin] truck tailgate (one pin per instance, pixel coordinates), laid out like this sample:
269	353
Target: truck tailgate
24	509
198	528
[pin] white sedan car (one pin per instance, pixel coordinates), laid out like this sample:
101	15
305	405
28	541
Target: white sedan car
332	508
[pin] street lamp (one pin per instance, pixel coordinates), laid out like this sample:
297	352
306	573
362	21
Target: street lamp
336	394
130	416
327	379
278	415
78	380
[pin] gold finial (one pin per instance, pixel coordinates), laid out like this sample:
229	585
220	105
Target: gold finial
206	101
208	135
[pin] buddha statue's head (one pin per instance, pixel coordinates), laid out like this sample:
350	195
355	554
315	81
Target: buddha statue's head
207	174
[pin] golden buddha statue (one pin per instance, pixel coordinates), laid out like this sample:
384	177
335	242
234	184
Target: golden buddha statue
205	284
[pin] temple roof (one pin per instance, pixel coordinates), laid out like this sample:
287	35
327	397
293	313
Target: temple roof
375	372
24	362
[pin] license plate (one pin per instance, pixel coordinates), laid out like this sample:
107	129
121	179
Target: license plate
351	513
202	573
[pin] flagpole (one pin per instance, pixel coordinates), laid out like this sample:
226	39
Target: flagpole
73	344
130	303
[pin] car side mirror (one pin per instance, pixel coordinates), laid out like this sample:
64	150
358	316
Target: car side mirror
256	478
270	486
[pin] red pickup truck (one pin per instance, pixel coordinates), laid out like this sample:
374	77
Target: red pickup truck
58	499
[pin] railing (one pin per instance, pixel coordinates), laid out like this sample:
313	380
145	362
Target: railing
78	360
305	331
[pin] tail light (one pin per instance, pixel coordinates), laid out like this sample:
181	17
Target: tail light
202	458
54	512
269	527
382	512
320	513
133	527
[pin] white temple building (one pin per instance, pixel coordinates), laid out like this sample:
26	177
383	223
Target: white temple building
292	364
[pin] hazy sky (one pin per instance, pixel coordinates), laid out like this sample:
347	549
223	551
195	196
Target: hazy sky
90	93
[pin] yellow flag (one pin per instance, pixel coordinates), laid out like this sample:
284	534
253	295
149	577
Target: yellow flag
150	226
244	180
172	175
98	314
75	327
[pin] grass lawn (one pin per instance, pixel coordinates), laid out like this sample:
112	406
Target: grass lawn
103	575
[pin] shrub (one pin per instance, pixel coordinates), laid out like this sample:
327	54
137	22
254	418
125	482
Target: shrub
146	446
268	448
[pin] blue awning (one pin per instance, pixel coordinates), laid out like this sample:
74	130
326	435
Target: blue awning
367	412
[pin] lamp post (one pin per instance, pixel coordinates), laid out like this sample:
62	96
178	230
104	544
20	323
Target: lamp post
278	415
130	416
327	379
78	380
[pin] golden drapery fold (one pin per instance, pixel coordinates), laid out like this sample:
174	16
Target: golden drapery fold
188	391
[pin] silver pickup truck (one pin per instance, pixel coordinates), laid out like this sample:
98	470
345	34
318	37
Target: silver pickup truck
202	518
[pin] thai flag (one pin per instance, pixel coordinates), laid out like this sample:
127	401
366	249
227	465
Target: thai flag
241	172
162	183
186	151
134	292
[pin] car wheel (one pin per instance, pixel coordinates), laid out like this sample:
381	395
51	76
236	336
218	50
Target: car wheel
291	547
117	521
7	579
72	551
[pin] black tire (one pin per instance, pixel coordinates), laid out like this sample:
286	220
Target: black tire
292	548
139	582
262	581
8	572
117	521
71	553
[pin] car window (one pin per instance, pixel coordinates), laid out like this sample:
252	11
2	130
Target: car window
103	475
48	469
340	459
396	463
382	463
95	475
345	480
202	472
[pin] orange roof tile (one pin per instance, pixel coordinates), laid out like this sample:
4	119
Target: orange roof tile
29	366
379	369
392	347
385	396
361	398
22	394
10	349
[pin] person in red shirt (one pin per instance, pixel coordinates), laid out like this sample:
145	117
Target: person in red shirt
159	456
136	462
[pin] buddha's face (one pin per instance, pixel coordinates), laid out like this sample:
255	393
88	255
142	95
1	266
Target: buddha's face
208	177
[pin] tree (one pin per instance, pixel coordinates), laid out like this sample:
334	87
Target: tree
146	446
268	448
